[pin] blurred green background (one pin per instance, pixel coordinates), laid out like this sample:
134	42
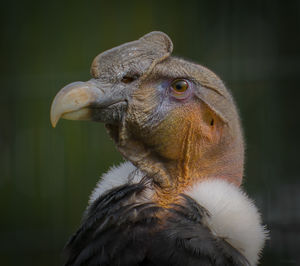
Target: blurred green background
47	174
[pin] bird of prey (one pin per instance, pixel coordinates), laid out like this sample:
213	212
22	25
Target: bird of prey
177	199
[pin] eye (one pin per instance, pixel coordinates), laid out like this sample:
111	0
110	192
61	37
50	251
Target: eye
180	85
180	88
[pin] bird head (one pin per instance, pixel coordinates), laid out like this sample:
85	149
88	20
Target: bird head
173	119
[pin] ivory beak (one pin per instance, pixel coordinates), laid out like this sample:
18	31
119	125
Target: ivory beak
74	102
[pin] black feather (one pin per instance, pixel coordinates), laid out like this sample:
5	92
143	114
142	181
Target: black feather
120	229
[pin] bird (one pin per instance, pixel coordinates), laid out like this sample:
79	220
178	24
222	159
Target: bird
177	199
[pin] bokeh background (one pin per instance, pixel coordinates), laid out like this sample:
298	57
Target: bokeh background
46	175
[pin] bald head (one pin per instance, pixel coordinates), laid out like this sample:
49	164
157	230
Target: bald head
173	119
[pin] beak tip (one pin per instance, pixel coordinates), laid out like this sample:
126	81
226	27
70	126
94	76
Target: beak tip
53	124
53	120
54	114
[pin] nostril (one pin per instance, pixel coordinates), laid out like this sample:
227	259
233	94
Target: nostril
128	78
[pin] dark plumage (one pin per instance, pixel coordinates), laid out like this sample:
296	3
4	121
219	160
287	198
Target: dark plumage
178	201
118	231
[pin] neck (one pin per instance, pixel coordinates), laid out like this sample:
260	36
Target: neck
172	177
175	165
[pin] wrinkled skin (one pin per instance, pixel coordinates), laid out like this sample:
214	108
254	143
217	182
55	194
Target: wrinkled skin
175	141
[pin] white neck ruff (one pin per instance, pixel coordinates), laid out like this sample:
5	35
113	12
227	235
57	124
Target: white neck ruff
233	216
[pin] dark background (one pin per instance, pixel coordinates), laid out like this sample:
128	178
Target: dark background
46	175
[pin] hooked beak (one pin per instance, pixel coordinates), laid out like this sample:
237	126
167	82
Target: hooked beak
85	101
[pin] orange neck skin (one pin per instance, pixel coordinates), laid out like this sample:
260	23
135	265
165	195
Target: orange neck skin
187	148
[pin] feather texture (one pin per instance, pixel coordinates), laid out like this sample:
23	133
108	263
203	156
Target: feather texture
118	229
215	220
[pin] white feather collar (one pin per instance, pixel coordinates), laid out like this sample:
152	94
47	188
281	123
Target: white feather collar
233	215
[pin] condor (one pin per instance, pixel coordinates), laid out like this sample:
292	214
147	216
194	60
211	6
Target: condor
177	199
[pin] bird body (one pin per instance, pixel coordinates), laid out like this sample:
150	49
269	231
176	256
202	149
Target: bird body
177	200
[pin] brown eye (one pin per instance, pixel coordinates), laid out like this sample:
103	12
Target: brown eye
179	85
